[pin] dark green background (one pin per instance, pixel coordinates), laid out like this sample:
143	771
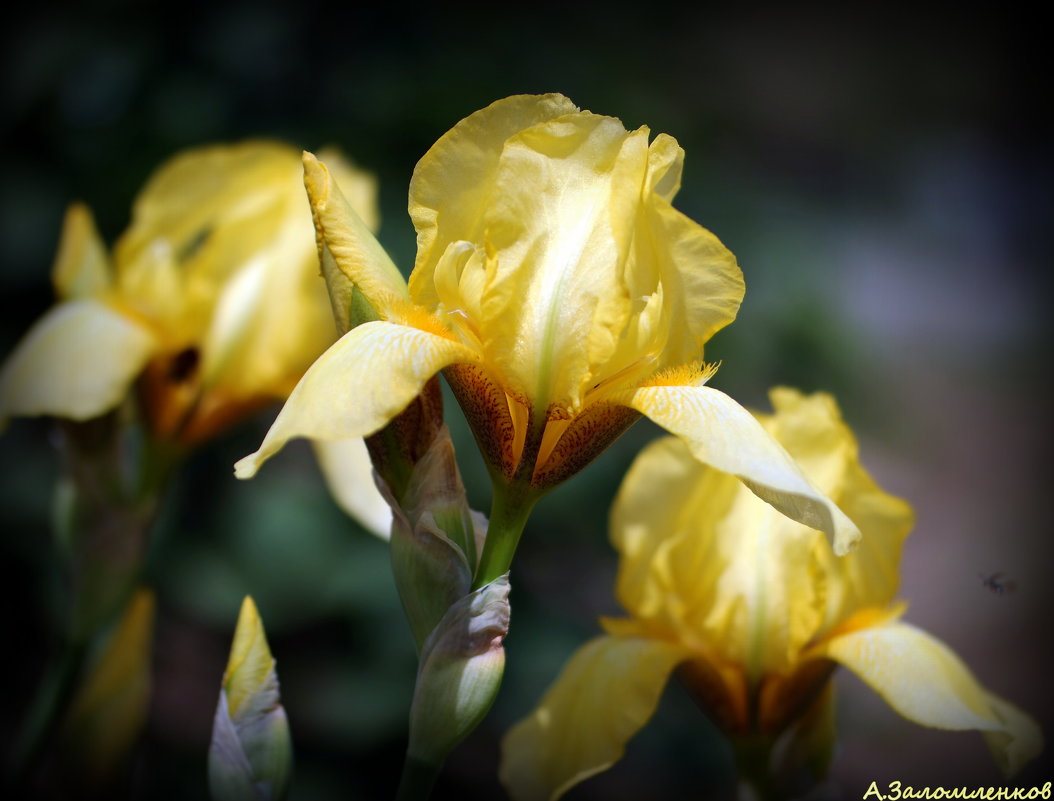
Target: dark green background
882	174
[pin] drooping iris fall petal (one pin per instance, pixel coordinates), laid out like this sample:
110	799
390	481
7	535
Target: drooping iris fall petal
924	681
721	433
605	694
358	385
77	362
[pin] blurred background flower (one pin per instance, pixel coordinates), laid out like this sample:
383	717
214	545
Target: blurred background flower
882	178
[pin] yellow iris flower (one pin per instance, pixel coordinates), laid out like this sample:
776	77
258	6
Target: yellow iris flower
210	299
755	609
562	295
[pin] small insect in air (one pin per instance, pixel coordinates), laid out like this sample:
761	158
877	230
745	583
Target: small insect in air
997	583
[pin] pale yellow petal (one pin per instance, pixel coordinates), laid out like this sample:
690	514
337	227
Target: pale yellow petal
250	662
82	265
451	185
358	385
702	283
344	240
1020	741
701	555
78	361
270	322
723	434
682	283
811	428
605	694
208	212
916	674
560	225
348	472
358	186
663	525
212	190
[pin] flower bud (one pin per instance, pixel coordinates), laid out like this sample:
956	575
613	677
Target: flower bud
460	671
251	756
433	542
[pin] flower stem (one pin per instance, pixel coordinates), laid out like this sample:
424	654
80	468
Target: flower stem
417	780
753	761
50	702
510	508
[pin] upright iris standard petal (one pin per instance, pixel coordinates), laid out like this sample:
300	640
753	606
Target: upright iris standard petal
559	230
82	266
605	694
702	285
452	183
77	362
357	386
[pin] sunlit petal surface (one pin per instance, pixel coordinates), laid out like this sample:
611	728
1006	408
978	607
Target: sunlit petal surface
358	385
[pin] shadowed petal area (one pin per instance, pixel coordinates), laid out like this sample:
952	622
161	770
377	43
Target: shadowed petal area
348	472
723	434
605	694
364	380
76	362
1020	741
923	680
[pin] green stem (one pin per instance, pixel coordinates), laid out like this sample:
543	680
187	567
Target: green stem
753	762
105	533
510	508
51	700
417	780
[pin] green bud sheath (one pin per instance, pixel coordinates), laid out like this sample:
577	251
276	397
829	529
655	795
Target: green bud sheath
433	542
460	672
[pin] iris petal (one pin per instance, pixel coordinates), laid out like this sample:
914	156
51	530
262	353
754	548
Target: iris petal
348	473
77	362
357	386
723	434
605	694
916	674
346	242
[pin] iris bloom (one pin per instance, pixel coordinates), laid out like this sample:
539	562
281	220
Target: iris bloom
561	294
210	299
756	610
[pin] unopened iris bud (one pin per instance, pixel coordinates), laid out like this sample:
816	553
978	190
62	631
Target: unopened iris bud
460	671
433	542
251	755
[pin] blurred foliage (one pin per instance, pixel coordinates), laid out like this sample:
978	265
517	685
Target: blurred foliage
873	170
